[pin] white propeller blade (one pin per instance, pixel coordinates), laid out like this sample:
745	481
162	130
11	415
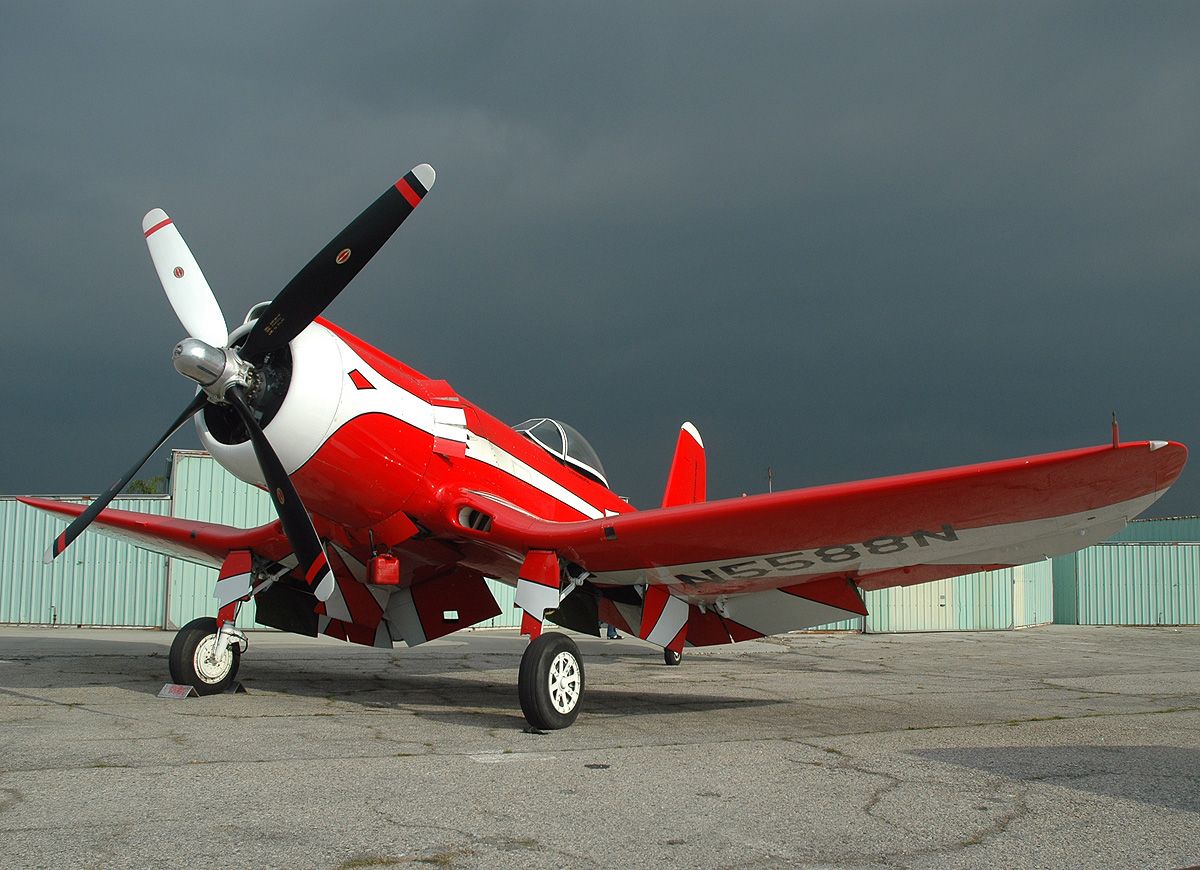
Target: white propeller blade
187	290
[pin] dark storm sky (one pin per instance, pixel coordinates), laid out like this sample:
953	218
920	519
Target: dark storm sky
844	239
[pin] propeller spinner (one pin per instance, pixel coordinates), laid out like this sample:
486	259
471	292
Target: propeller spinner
226	375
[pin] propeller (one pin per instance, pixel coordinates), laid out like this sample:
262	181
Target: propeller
82	521
187	289
227	375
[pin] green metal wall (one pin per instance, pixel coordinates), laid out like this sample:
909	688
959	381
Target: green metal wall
1066	596
506	597
1138	584
97	581
982	601
202	490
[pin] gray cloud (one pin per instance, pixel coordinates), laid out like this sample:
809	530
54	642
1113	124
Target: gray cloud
844	239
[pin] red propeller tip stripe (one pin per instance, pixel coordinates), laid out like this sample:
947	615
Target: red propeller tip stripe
406	190
315	568
158	226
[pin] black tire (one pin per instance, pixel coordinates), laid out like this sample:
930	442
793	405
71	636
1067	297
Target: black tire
671	657
208	678
550	683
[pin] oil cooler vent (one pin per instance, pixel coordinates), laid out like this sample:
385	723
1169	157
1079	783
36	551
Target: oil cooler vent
470	518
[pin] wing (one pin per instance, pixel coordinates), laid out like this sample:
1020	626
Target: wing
192	540
784	551
355	611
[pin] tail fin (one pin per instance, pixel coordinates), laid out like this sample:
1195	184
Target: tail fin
686	481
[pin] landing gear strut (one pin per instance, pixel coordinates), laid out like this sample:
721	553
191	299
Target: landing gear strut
550	682
203	658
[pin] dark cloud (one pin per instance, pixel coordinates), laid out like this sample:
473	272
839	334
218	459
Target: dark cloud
844	239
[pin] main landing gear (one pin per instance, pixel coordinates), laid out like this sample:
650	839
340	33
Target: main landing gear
550	682
671	657
203	657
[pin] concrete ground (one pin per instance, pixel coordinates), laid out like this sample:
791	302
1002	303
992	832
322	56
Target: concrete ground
1055	746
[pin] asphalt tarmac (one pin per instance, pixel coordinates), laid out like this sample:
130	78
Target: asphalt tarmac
1054	746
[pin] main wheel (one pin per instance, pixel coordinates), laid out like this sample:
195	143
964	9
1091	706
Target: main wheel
193	660
550	683
671	657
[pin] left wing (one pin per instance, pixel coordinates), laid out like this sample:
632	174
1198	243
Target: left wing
794	559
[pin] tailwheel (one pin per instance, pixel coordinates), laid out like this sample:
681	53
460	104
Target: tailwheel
671	657
194	659
550	682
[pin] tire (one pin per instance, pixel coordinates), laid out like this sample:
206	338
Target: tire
550	683
671	657
189	664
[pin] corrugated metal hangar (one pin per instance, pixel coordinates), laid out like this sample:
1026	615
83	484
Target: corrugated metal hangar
1149	574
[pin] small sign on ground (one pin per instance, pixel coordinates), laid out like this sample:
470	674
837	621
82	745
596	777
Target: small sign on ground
175	692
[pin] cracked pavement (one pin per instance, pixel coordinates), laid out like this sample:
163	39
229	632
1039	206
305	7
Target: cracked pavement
1054	746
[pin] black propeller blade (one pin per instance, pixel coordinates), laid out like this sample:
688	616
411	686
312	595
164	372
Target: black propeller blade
297	525
296	306
84	520
328	273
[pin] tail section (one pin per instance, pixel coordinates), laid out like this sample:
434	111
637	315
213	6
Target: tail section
686	481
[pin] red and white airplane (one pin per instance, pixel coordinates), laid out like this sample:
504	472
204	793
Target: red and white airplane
397	497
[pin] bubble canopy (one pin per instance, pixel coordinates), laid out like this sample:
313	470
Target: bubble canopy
563	442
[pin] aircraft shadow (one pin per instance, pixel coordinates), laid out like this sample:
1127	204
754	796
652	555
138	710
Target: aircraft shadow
470	696
471	685
1162	776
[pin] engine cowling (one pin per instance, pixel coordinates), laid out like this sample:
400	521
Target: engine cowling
354	454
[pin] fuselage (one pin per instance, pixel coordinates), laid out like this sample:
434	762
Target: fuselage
371	443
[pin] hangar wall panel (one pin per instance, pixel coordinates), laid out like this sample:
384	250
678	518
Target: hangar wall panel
202	490
1033	594
982	601
97	581
1138	584
506	597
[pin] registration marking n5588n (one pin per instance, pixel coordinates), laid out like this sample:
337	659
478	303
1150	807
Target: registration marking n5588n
837	556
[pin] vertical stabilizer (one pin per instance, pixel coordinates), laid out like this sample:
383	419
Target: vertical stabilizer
686	482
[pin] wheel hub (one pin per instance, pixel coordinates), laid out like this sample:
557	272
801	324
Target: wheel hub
208	665
564	682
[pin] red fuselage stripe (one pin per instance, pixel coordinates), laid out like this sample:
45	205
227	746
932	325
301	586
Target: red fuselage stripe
408	193
158	226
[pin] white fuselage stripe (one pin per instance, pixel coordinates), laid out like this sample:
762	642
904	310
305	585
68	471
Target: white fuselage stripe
443	422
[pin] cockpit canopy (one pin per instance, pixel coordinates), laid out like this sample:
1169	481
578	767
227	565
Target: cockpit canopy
564	443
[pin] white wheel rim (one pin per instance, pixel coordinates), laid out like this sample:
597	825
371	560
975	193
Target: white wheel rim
564	682
209	667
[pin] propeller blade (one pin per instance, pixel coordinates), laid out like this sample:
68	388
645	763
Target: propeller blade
82	521
328	273
310	552
187	290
